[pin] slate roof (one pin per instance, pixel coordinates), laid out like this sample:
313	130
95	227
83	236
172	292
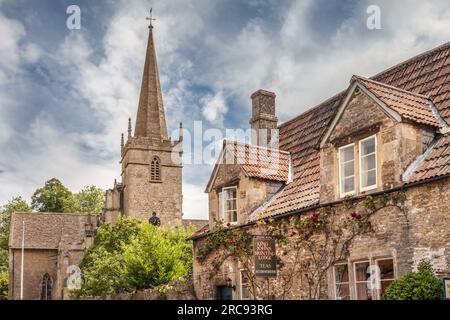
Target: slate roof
426	75
411	106
46	230
436	163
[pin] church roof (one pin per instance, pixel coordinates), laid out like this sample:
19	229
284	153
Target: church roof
150	119
426	75
47	230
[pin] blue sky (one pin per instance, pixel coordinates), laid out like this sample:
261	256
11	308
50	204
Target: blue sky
65	95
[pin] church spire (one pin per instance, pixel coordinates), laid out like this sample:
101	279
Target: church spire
150	119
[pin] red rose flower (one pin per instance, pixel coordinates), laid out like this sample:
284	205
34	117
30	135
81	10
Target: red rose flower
314	217
355	216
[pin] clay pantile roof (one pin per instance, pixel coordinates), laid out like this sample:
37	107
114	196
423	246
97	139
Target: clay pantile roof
301	137
260	162
412	106
436	163
427	74
46	230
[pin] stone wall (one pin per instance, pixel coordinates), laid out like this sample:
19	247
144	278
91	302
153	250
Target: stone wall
398	145
178	290
421	231
143	196
251	192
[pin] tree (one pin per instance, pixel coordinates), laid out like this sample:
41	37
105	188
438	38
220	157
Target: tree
89	200
52	197
420	285
16	204
132	255
3	285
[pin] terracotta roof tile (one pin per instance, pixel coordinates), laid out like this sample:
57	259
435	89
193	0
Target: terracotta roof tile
436	163
427	74
259	162
411	106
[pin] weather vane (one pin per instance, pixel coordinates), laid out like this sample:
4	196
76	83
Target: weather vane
151	17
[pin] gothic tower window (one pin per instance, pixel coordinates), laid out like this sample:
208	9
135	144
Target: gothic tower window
155	169
46	287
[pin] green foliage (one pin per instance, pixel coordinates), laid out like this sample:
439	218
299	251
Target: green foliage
420	285
16	204
132	255
55	197
234	241
3	285
52	197
89	200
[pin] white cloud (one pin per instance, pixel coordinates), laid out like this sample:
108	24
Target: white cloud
302	65
214	108
195	202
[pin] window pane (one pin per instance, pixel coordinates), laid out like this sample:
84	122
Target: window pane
349	184
349	169
347	154
230	205
342	291
341	273
368	163
362	292
368	146
361	271
369	179
386	269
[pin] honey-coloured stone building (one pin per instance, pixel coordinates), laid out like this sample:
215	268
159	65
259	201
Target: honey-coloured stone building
384	137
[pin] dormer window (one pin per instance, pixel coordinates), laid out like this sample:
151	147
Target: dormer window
347	170
358	170
228	205
368	163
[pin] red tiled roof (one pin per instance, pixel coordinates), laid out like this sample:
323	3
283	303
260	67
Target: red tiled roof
260	162
436	163
408	105
427	74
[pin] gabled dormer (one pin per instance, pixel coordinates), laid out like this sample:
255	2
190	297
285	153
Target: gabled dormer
244	178
378	131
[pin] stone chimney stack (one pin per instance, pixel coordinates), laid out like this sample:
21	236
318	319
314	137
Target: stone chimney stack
264	122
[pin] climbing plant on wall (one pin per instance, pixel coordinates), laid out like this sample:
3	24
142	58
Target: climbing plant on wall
307	245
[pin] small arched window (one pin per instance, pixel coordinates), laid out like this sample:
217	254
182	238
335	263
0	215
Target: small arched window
155	169
46	287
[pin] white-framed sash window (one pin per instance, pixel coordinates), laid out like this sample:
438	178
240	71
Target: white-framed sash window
347	170
228	212
341	282
245	283
368	163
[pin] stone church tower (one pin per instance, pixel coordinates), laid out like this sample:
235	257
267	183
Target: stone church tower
151	161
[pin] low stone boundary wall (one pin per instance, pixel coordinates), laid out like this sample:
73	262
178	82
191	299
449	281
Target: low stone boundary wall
182	289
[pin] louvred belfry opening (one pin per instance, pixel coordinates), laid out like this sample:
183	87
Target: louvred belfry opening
155	170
